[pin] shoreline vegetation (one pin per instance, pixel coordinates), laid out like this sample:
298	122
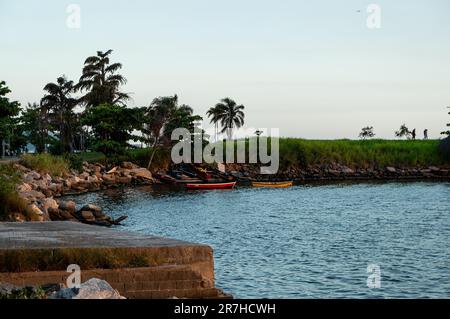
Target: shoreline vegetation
303	153
31	188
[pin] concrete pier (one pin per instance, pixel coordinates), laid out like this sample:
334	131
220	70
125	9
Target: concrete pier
138	266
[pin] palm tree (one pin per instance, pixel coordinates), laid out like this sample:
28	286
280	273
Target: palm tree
60	105
159	113
101	81
230	115
213	114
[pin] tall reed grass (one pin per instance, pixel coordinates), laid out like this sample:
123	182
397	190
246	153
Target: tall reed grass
46	163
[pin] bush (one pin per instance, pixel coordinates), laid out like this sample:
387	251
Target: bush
75	161
141	156
444	148
10	201
46	163
56	148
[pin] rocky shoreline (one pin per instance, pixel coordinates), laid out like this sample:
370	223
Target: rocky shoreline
337	172
40	192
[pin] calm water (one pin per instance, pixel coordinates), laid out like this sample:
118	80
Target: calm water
306	241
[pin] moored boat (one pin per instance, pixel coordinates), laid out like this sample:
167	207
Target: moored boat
211	185
284	184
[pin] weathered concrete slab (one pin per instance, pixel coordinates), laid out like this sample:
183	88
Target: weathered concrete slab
50	246
137	265
76	235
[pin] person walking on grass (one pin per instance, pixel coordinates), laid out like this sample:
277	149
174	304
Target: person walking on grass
413	134
425	134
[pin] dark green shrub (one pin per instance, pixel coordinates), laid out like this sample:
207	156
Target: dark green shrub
444	148
75	161
10	201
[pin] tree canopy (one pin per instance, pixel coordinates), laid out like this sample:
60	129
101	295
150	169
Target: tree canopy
8	111
101	82
228	114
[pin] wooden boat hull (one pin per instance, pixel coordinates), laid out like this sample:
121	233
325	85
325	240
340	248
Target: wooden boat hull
211	185
273	184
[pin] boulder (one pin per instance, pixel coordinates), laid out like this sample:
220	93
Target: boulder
6	289
391	169
92	289
86	215
56	188
54	214
142	173
347	170
92	179
32	195
112	171
109	179
48	203
84	175
92	208
24	187
32	175
34	213
66	215
129	165
69	206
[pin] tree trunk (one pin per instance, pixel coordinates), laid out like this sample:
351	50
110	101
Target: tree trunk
230	133
153	153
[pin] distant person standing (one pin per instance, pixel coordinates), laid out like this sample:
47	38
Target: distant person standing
425	134
413	134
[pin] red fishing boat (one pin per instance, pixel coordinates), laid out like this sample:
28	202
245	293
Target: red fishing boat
211	185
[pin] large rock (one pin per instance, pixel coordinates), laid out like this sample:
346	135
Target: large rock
92	208
391	169
142	173
69	206
84	175
48	203
56	188
32	195
347	170
29	177
112	171
129	165
86	215
24	187
109	179
34	213
92	289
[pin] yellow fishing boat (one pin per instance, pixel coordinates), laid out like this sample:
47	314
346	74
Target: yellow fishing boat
273	184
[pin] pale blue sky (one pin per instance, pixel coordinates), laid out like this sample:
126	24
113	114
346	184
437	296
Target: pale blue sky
311	68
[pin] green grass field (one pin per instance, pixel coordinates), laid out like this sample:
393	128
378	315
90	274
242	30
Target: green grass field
368	153
352	153
358	153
